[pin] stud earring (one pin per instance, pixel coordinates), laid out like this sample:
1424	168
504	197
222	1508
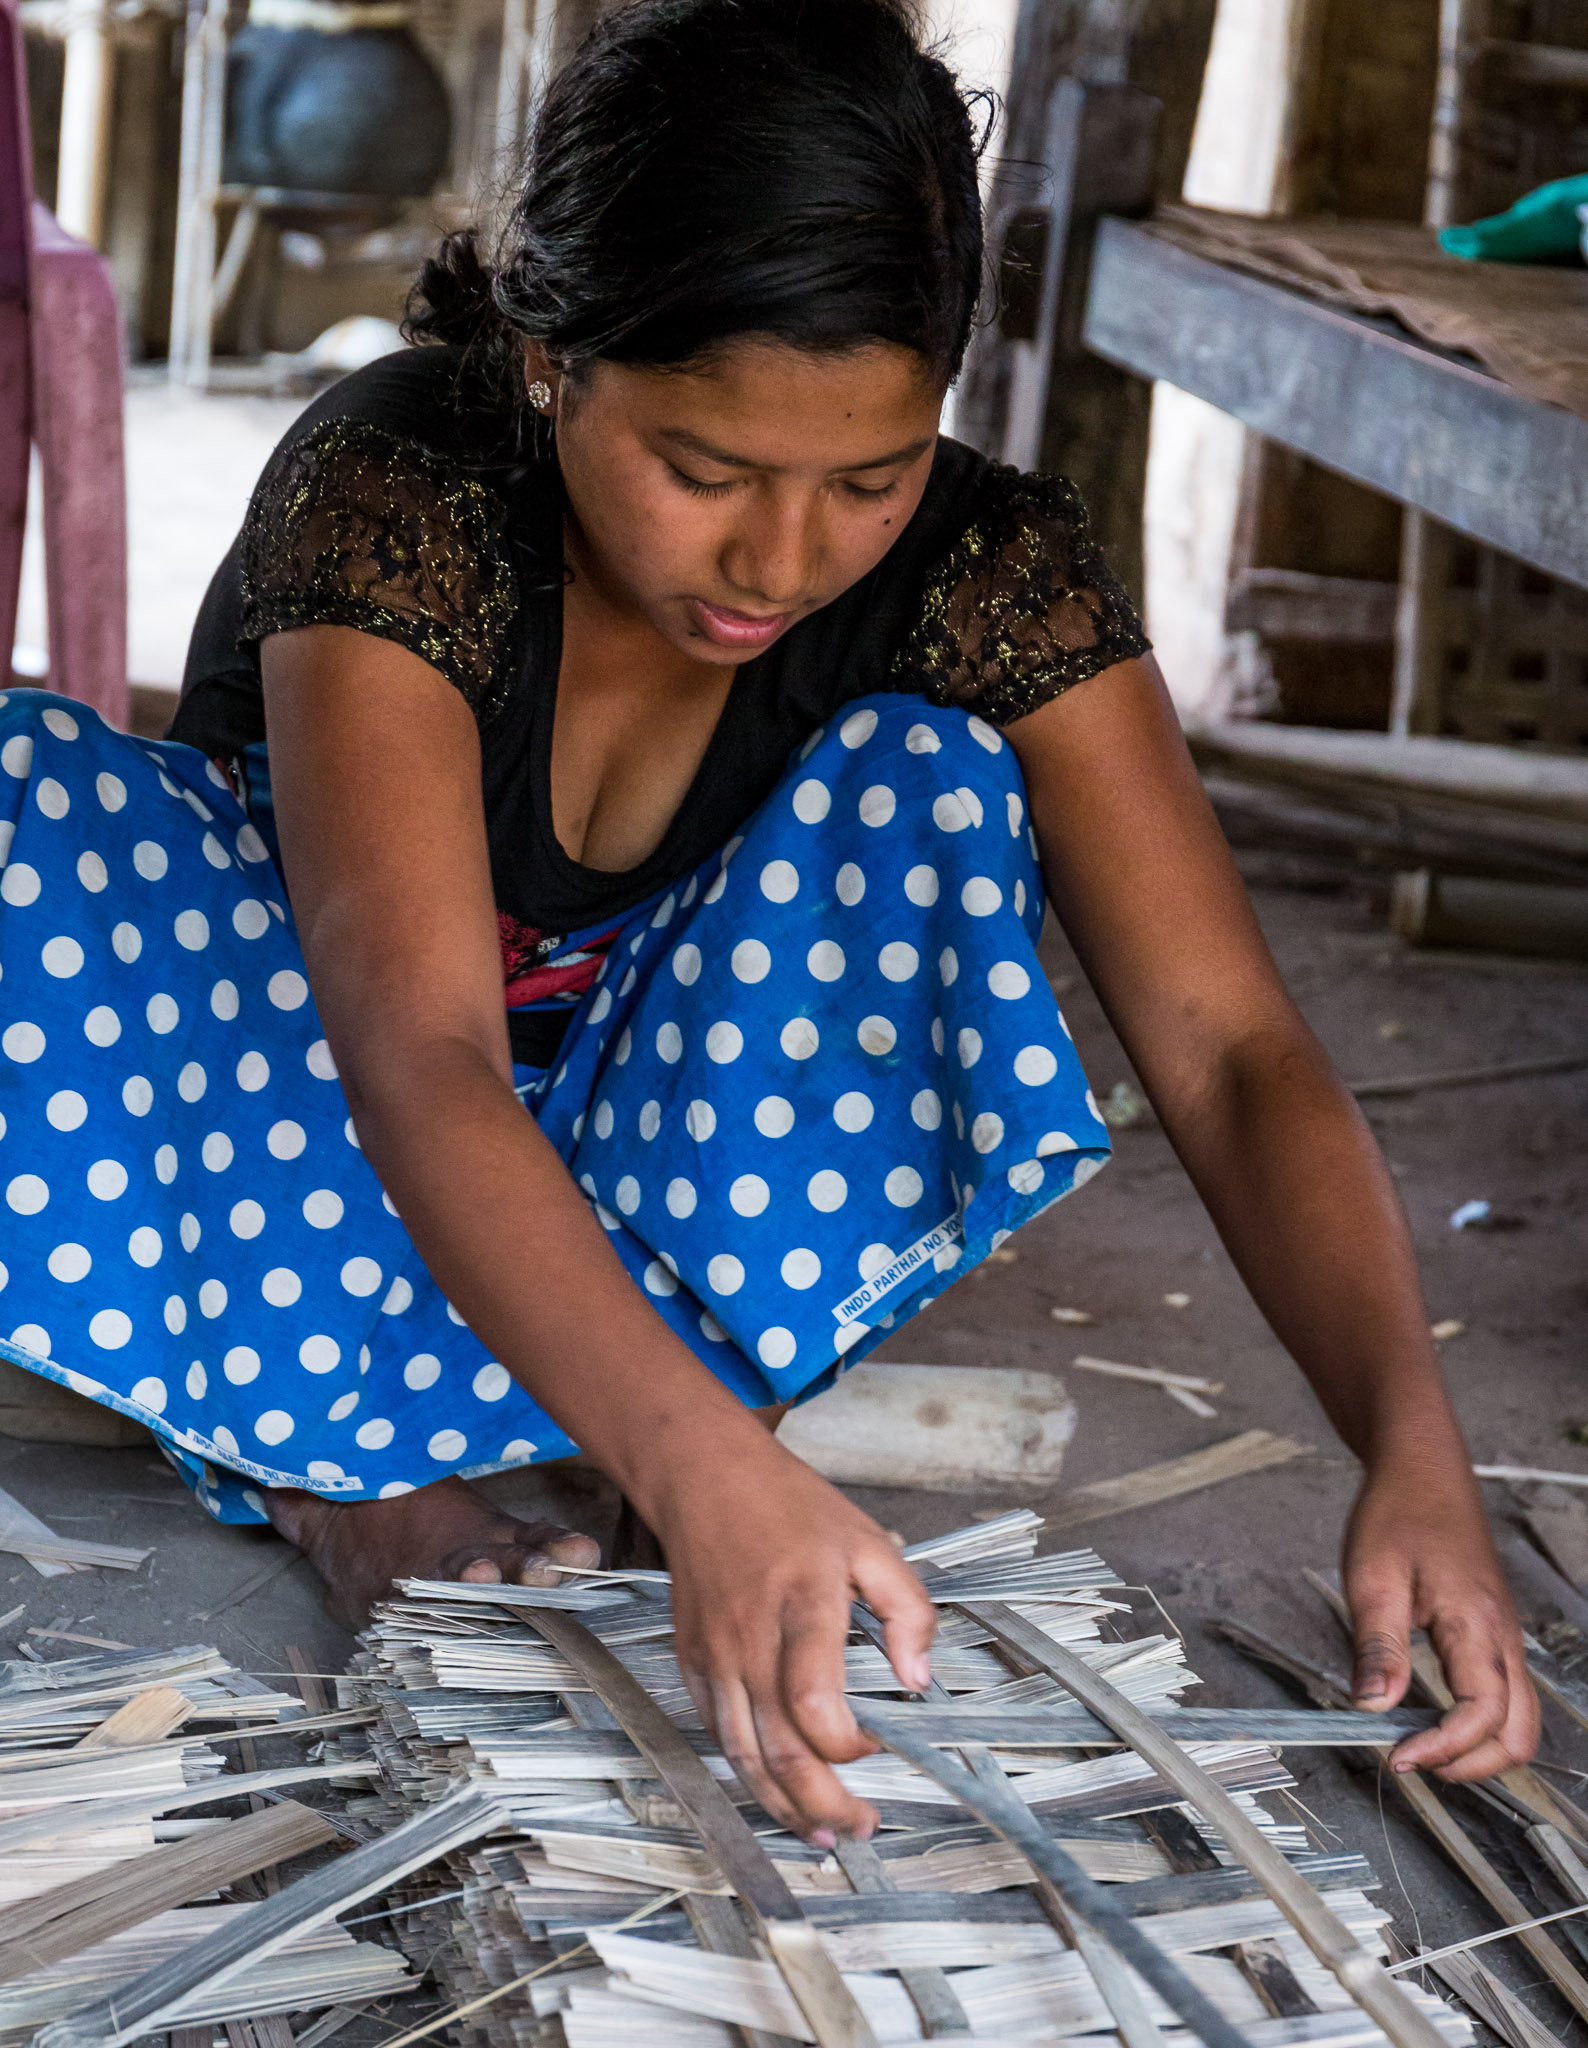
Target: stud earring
540	394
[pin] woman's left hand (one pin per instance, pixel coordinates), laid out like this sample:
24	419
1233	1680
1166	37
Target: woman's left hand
1418	1555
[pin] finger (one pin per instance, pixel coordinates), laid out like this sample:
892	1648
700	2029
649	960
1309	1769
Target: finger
777	1768
909	1620
1513	1741
828	1811
812	1683
1381	1619
1473	1654
741	1745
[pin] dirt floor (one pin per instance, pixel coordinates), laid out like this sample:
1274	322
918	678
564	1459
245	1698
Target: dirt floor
1134	1236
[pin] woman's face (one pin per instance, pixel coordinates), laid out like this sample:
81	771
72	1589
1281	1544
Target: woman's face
722	504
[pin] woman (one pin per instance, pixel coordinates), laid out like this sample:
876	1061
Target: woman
639	649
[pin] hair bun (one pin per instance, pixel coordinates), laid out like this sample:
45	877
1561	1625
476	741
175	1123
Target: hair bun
451	298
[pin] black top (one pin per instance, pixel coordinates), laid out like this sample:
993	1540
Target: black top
402	503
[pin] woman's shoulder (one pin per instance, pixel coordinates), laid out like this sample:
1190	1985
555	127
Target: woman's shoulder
383	508
1016	602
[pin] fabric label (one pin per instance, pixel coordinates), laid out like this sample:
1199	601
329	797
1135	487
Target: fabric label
948	1232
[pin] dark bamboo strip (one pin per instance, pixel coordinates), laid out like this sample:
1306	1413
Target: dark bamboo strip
1324	1933
1003	1811
817	1987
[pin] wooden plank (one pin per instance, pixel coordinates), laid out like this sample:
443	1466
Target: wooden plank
1324	1933
1294	604
807	1969
1253	1451
1423	428
71	1917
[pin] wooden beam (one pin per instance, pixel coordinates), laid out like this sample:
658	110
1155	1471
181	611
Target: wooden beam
1434	433
1094	421
1291	604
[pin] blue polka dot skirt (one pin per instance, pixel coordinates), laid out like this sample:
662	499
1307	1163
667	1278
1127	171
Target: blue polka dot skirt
816	1081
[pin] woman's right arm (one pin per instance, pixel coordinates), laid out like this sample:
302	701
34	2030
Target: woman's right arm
375	769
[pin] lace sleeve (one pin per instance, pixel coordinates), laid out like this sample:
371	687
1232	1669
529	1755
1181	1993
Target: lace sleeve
1021	608
354	526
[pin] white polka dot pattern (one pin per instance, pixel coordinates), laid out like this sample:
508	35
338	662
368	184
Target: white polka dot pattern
835	1029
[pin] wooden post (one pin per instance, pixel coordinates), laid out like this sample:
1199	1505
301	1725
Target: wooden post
1095	417
1425	546
87	96
203	134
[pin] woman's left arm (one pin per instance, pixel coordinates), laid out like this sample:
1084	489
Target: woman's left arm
1140	875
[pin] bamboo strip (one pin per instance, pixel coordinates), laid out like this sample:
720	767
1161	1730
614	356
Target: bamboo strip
147	1717
151	2001
59	1923
1253	1451
88	1816
1494	2004
807	1969
1154	1375
1324	1933
1522	1782
931	1993
1003	1811
67	1550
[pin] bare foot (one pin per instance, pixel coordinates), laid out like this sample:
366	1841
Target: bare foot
444	1531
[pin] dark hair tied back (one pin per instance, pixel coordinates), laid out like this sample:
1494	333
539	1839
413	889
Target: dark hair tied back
703	169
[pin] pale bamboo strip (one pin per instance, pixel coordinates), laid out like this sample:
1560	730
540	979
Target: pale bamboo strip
151	2001
146	1717
1253	1451
74	1916
806	1967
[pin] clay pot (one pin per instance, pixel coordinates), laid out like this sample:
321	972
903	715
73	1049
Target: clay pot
360	111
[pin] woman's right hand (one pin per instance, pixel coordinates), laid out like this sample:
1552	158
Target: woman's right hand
766	1559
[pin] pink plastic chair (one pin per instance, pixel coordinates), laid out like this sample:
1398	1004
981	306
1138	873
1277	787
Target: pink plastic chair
60	388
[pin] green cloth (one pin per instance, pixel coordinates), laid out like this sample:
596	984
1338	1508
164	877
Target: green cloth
1542	228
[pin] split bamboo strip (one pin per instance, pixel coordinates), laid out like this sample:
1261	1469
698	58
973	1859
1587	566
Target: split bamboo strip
67	1550
930	1991
87	1816
1476	1867
1324	1933
1496	2005
1153	1375
152	2001
1522	1782
146	1717
1253	1451
59	1923
807	1969
1002	1809
1421	1797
